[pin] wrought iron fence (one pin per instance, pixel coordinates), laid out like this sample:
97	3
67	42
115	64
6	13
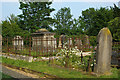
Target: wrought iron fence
49	47
37	46
116	54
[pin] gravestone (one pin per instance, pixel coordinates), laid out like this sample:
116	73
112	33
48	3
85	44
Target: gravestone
86	42
78	43
62	41
86	38
69	42
0	43
104	51
18	43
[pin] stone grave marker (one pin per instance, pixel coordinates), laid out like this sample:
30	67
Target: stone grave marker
18	43
104	51
62	41
78	43
86	42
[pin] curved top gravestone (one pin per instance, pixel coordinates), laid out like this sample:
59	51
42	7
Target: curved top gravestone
104	51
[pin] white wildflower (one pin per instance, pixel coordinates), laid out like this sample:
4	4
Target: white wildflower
91	64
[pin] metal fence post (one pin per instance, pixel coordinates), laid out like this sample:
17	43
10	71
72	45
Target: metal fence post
7	45
81	57
30	46
89	64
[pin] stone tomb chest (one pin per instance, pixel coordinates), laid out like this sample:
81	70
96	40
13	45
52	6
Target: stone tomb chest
43	40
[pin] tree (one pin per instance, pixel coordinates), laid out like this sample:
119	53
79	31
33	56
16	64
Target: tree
87	17
77	27
63	21
10	27
114	26
35	15
13	19
96	19
116	11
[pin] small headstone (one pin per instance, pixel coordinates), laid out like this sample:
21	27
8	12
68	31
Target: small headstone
18	43
78	43
86	41
60	41
104	51
69	42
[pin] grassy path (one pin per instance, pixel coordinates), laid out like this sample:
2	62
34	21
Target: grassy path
45	68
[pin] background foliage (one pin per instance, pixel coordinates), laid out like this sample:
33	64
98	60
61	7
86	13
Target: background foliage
36	15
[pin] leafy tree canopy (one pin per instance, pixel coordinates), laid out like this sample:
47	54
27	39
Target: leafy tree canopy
114	26
116	11
96	19
10	27
63	21
35	15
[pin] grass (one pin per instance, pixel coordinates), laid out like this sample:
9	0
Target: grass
60	72
25	51
44	67
35	53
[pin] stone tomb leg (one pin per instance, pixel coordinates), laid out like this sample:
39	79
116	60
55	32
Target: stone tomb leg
104	51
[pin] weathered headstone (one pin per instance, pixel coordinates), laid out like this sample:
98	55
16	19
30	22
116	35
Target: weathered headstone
86	42
104	51
86	38
69	42
18	43
0	43
60	41
78	43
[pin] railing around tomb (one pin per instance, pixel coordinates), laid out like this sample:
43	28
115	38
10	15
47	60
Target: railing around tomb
115	59
38	46
50	47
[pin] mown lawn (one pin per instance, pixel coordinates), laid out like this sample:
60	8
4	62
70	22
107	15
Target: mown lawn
59	72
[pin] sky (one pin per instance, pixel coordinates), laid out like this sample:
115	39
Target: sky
8	7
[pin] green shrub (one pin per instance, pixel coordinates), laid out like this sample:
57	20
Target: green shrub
93	40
